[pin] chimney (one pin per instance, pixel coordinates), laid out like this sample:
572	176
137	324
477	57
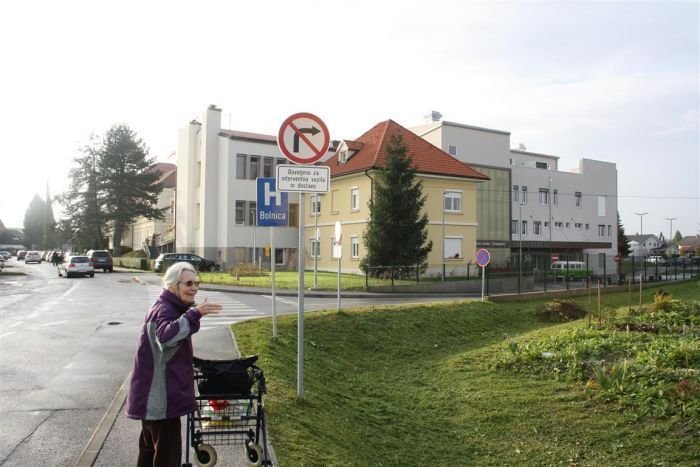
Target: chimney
433	116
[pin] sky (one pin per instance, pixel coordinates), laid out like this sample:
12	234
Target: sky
611	81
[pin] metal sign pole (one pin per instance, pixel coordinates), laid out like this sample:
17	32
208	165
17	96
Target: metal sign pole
274	297
483	281
300	320
339	259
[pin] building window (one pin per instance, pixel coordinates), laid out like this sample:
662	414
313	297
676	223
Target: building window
252	213
254	167
240	212
610	231
601	206
524	195
355	199
558	225
541	165
568	225
537	228
578	199
453	201
267	167
544	196
555	197
578	225
524	228
453	247
293	215
452	150
354	247
588	227
315	205
514	227
240	166
334	201
515	193
279	256
315	248
601	230
546	224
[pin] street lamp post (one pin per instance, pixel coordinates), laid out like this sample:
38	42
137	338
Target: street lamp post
641	230
670	229
641	218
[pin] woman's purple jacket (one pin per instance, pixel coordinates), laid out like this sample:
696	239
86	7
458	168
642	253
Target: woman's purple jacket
162	383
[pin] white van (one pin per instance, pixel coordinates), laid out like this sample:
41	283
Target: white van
574	270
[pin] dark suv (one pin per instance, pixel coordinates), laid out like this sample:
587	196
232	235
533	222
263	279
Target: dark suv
101	259
165	260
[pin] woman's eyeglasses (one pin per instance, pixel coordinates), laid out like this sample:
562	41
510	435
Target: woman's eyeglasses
189	283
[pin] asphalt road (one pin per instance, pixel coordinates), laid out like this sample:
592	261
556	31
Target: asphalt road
66	347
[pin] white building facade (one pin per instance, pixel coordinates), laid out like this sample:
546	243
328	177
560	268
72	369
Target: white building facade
571	214
217	195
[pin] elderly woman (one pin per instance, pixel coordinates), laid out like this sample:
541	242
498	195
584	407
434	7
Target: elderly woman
162	386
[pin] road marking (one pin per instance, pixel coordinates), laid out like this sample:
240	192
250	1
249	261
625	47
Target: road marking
6	334
286	301
54	323
15	324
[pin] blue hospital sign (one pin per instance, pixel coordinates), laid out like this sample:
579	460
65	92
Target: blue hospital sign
273	206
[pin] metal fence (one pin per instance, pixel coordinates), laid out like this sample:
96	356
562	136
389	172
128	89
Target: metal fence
532	272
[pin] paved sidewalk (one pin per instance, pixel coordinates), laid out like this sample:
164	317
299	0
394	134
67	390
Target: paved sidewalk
115	442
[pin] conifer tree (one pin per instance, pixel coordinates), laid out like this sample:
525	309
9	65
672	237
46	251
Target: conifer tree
130	190
623	244
34	220
397	231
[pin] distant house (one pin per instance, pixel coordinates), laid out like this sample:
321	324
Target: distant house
689	245
645	245
157	234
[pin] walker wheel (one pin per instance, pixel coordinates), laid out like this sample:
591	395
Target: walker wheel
252	454
205	456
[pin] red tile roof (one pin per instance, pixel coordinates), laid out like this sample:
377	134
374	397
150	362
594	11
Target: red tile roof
371	154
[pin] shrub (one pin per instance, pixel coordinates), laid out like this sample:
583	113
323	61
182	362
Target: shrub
248	269
559	311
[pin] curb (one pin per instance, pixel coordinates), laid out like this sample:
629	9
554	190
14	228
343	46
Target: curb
92	450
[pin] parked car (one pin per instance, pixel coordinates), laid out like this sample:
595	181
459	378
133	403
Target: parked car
5	255
32	257
656	259
21	254
101	259
164	261
76	266
569	270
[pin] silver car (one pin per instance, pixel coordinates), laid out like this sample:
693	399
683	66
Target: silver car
32	257
76	266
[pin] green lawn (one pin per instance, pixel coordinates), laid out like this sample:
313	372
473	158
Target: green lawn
418	385
288	280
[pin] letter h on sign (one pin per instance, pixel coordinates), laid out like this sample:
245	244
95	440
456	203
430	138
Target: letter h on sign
272	206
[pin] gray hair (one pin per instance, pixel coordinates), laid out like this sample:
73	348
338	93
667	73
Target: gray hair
174	272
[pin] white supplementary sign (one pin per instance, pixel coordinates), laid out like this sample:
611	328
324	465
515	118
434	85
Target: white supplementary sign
303	178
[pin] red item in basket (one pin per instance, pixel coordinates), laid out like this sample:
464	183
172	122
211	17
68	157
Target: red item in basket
218	404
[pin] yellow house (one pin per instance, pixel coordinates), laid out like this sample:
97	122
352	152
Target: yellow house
448	184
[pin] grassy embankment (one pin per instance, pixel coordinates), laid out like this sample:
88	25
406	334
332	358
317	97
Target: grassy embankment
439	384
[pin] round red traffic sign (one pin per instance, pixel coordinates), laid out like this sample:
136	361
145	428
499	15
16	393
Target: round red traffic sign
617	258
555	257
483	257
303	138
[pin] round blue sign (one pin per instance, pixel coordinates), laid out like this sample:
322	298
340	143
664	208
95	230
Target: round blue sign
483	257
